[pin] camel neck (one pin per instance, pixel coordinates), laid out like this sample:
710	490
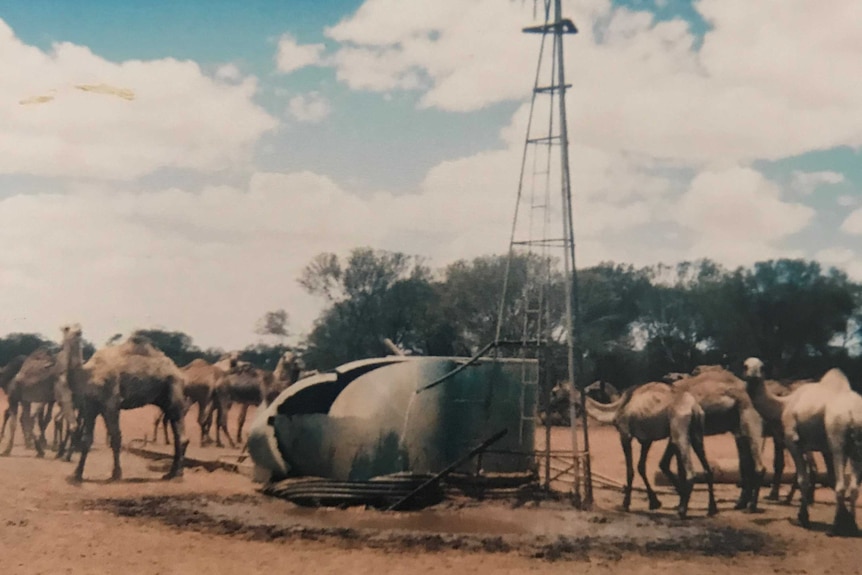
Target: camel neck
603	412
767	403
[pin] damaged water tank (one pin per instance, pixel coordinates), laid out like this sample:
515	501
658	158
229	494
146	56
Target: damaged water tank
398	414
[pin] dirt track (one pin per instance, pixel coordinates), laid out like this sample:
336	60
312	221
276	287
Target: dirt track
215	522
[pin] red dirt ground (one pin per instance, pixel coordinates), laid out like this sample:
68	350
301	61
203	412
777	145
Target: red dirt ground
51	526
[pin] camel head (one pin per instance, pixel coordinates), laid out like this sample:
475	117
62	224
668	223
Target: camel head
71	331
72	334
752	368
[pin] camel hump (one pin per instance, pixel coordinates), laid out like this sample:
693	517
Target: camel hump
835	380
197	363
706	368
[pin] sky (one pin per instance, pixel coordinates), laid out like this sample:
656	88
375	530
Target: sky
176	164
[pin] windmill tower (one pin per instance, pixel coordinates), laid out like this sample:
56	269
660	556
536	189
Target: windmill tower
542	234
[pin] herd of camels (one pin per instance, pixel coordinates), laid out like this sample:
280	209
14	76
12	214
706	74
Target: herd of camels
808	416
804	417
127	376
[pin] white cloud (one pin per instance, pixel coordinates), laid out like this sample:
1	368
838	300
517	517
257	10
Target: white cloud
69	112
835	256
228	72
310	108
737	216
210	263
807	182
847	201
640	85
853	224
292	56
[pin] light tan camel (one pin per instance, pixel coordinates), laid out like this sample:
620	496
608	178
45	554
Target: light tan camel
803	419
39	381
652	412
126	376
843	421
728	409
202	382
766	397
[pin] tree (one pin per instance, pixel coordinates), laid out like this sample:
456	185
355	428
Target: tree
176	345
273	323
16	344
373	294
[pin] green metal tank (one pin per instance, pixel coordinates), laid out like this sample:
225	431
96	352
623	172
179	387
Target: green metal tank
380	416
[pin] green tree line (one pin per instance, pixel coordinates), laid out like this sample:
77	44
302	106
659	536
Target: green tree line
638	323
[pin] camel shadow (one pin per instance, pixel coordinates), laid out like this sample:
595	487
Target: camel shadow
823	527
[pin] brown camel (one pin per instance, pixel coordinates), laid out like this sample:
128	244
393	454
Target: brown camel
652	412
39	380
7	374
202	382
246	385
728	409
126	376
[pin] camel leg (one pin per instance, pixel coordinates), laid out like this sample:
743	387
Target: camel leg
88	423
27	424
5	419
111	416
221	425
204	421
686	479
630	472
777	467
654	503
45	415
697	445
802	478
758	471
156	423
664	465
242	415
60	435
852	493
12	412
180	444
745	472
31	423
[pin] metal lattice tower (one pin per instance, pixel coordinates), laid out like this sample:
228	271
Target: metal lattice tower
542	232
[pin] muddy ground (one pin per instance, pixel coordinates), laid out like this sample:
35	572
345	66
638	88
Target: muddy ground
216	522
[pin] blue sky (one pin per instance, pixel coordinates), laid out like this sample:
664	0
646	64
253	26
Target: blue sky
258	134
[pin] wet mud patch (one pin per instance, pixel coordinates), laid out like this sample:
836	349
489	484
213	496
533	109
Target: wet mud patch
548	534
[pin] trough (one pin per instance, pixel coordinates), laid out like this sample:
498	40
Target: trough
398	414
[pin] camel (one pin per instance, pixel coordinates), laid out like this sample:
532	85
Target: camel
765	396
803	420
652	412
728	409
7	374
126	376
843	423
248	385
202	381
245	384
39	380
